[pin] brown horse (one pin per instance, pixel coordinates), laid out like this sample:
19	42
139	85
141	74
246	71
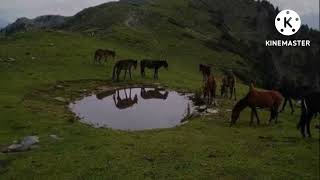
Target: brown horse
205	70
124	103
209	90
258	98
100	53
229	86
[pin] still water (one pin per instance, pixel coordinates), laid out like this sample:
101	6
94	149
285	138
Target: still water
133	109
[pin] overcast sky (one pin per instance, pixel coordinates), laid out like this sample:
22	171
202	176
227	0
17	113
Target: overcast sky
10	10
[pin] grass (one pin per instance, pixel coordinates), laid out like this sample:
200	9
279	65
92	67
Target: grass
205	148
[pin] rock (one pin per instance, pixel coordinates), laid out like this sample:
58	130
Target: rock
53	136
59	87
33	58
25	144
148	158
51	44
213	111
201	108
60	99
10	59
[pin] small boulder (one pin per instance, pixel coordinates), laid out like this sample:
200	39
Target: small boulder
55	137
25	144
60	99
213	111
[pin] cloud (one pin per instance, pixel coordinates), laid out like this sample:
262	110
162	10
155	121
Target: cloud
307	9
13	9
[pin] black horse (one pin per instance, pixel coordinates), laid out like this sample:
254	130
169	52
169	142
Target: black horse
152	64
125	65
291	90
309	109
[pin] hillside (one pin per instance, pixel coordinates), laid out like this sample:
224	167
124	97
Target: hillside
219	26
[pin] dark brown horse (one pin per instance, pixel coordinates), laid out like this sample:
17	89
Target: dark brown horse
209	90
205	70
124	103
125	65
153	94
309	109
229	86
100	54
258	98
152	64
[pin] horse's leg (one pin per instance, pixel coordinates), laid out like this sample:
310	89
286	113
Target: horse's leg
118	73
291	106
235	95
284	104
231	92
308	121
256	113
125	74
251	120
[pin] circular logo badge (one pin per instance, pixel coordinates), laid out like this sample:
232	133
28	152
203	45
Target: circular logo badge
288	22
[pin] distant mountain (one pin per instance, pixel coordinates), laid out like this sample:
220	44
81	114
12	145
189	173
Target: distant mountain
41	22
234	26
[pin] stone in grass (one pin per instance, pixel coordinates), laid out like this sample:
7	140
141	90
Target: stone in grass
202	108
55	137
60	99
27	143
213	111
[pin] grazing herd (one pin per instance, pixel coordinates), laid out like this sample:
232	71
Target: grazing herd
270	99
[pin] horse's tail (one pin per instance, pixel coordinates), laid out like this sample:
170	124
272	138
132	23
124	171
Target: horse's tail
114	71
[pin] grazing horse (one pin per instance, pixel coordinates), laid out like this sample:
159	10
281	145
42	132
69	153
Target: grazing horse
124	103
125	65
209	90
205	70
152	64
100	53
153	94
258	98
229	86
309	109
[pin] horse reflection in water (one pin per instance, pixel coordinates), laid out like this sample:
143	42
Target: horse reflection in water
124	103
153	94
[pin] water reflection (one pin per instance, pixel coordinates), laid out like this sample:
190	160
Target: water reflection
133	108
153	94
125	102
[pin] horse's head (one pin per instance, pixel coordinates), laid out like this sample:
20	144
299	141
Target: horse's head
237	110
135	99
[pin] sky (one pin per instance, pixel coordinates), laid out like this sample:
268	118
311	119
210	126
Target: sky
10	10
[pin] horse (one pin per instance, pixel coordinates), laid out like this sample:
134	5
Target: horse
258	98
205	70
153	94
290	90
152	64
229	86
309	109
124	103
209	90
100	53
124	65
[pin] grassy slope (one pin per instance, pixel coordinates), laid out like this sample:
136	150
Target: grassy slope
204	148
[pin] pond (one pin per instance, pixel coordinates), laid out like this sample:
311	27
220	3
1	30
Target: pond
134	109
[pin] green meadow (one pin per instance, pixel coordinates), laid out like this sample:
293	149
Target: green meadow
204	148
